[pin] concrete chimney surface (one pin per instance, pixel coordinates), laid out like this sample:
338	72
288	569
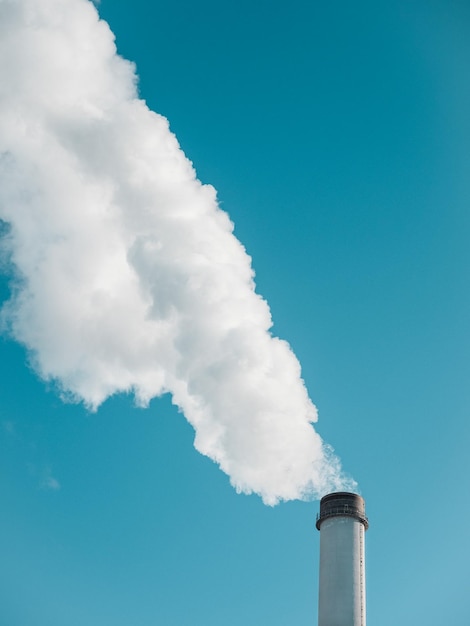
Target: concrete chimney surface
342	522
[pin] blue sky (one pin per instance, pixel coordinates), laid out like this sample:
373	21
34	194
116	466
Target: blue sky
337	138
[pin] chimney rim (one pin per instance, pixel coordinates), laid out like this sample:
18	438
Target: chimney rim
349	505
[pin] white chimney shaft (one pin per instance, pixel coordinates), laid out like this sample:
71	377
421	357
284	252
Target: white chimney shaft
342	593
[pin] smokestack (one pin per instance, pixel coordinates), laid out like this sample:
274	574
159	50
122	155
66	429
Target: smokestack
342	522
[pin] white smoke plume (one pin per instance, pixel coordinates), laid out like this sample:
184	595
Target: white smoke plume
128	277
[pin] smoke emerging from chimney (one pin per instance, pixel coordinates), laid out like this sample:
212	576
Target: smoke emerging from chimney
128	277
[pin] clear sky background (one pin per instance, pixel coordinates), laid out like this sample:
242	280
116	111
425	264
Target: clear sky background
337	136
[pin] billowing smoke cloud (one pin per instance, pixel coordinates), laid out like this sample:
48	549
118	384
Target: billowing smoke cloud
128	277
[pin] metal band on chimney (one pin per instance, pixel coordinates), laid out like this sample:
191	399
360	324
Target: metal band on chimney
342	504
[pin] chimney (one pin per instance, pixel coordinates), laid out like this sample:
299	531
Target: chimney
342	522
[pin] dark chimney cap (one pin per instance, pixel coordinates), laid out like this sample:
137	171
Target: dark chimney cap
342	504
